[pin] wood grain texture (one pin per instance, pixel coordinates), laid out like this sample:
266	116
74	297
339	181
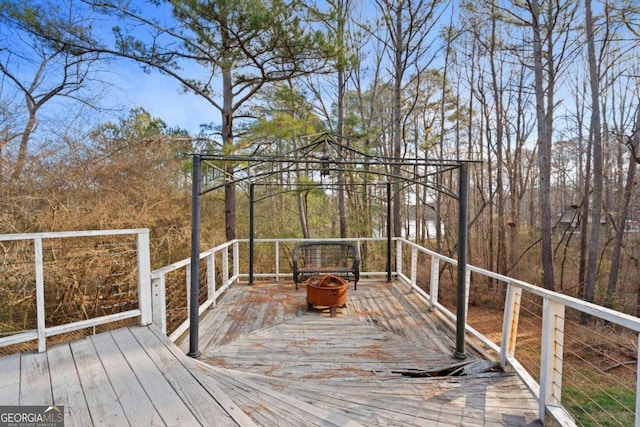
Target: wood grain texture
66	388
348	365
268	361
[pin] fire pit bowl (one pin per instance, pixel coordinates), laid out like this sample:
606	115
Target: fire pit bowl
328	291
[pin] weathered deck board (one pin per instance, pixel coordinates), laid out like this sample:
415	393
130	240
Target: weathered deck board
320	347
135	403
10	380
454	401
66	386
34	380
280	408
101	399
272	362
346	364
128	376
203	406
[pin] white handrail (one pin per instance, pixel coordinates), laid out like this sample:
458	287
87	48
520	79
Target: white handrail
548	392
152	301
42	331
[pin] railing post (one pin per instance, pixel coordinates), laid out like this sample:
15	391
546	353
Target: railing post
225	266
144	278
159	303
434	282
277	261
211	277
510	324
187	276
467	286
42	340
414	267
236	259
551	355
398	257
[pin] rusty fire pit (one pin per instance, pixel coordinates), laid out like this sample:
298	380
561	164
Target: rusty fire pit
327	291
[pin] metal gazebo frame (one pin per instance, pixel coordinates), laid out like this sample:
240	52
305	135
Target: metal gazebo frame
344	159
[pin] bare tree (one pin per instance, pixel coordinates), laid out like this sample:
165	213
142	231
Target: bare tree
408	24
243	44
41	73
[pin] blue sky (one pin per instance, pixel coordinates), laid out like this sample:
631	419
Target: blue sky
116	86
161	96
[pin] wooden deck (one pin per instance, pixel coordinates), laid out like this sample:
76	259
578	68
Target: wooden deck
130	376
268	361
278	361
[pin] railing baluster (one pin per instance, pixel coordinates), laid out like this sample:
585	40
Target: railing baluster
225	267
277	261
144	278
40	314
467	284
551	355
399	257
510	323
211	278
187	277
158	302
236	260
414	267
434	282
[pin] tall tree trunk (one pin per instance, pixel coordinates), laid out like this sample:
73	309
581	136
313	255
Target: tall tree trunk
634	141
24	143
544	152
227	139
596	137
302	213
622	222
340	131
501	258
397	120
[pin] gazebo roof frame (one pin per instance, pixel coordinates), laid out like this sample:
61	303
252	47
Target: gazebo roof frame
343	158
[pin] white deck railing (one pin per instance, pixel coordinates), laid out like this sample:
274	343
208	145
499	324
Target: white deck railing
221	267
548	390
216	284
552	334
42	331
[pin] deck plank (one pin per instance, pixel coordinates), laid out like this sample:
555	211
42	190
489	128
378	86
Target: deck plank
66	387
35	381
102	400
288	410
414	401
169	405
10	379
268	361
203	405
347	364
134	401
195	367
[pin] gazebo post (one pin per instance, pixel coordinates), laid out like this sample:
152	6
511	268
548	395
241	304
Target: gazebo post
461	306
195	256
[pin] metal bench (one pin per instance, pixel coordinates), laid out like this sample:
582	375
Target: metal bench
316	258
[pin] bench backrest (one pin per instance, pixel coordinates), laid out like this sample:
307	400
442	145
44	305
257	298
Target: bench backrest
326	255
